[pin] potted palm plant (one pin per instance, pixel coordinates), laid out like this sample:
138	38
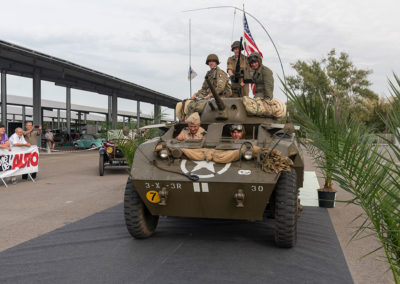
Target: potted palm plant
369	172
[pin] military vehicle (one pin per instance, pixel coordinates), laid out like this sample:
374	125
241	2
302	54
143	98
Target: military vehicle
164	182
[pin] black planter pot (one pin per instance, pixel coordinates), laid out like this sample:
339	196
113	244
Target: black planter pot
326	199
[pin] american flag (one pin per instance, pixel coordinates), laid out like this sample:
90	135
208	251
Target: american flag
249	44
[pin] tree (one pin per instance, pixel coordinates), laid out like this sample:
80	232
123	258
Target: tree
337	77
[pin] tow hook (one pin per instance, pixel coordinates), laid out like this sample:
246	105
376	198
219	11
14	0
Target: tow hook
239	198
163	196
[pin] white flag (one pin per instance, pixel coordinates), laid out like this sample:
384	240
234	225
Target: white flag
191	73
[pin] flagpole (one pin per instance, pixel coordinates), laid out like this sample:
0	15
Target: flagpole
243	19
190	57
262	26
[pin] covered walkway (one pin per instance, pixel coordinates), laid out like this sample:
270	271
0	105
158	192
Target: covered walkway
21	61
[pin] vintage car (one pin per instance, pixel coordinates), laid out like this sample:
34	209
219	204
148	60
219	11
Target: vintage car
109	153
87	141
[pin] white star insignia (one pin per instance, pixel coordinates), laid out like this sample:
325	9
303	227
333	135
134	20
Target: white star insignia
204	164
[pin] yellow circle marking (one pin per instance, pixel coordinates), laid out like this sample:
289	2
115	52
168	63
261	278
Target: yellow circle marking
109	150
153	196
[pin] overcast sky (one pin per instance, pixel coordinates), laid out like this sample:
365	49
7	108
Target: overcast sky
146	42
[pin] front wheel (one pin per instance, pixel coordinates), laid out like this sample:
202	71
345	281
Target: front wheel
76	147
286	196
139	221
101	164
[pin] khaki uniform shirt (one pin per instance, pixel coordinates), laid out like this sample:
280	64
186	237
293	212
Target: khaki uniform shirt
221	84
264	82
187	135
31	137
244	65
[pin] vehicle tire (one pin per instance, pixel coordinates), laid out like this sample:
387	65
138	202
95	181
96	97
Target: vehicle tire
139	221
93	146
101	164
286	195
76	147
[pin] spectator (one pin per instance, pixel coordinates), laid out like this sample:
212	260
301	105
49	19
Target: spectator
18	140
4	143
50	139
30	137
30	134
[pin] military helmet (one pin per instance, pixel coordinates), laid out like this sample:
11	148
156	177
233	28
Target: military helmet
212	57
254	57
237	127
236	44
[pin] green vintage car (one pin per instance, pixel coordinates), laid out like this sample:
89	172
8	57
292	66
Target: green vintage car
87	141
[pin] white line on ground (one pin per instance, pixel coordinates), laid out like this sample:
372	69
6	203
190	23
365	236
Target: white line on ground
309	192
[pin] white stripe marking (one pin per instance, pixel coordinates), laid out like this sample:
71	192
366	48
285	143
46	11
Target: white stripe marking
196	187
204	187
309	192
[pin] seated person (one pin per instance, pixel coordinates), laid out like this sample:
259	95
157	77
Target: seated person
4	143
237	131
18	140
194	130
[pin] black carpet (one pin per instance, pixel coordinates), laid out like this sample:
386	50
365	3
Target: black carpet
98	249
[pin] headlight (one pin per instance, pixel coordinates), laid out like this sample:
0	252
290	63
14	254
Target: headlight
163	154
248	155
109	150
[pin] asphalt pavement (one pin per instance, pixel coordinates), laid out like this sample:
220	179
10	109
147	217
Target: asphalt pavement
68	189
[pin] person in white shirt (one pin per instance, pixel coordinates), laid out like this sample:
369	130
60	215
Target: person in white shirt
50	139
17	139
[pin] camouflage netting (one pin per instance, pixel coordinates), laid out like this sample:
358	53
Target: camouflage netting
258	107
275	162
271	162
269	108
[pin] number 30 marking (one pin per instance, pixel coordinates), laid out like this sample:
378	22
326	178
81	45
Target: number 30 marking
257	188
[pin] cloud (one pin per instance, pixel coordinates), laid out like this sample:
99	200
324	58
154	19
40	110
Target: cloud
146	42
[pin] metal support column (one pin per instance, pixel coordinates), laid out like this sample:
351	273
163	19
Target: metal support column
68	110
23	116
58	119
174	114
4	98
13	119
109	111
52	123
123	121
79	121
157	114
85	118
114	111
138	115
37	102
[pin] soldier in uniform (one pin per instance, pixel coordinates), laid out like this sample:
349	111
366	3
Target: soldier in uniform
239	87
218	79
194	130
262	77
237	131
